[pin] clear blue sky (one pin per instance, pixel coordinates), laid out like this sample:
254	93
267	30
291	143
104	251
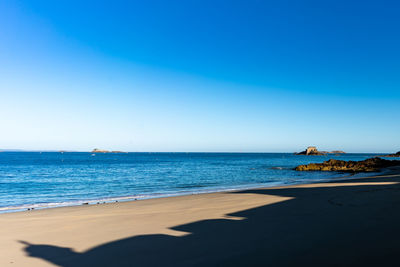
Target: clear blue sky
245	76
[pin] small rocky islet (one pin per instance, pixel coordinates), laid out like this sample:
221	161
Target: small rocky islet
313	151
96	150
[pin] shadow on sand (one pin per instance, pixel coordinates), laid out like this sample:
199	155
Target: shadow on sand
322	226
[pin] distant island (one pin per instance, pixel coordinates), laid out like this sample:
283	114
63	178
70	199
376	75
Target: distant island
96	150
313	151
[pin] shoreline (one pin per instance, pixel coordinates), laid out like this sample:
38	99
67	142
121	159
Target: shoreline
232	228
215	175
116	199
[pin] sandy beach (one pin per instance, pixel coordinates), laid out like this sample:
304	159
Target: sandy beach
340	223
199	133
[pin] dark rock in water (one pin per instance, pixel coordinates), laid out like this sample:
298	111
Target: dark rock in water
276	168
368	165
313	151
396	155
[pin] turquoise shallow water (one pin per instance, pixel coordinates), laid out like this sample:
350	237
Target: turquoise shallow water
50	179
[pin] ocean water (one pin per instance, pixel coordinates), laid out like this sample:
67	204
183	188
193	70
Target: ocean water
50	179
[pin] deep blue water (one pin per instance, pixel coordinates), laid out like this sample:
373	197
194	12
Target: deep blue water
47	179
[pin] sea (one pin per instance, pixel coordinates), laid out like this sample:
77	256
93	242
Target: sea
53	179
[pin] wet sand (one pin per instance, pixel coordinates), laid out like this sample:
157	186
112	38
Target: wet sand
341	223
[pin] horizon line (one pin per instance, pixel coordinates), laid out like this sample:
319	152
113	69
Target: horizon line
182	152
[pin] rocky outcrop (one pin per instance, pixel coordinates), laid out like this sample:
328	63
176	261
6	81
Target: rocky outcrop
313	151
368	165
396	155
96	150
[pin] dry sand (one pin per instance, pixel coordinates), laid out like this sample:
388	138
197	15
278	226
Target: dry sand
338	223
